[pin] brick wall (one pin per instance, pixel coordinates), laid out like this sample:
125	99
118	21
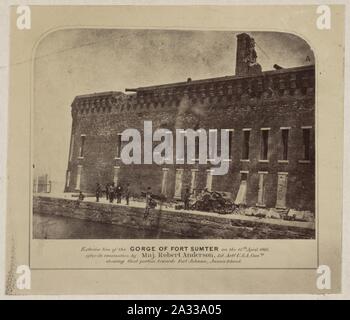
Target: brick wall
273	99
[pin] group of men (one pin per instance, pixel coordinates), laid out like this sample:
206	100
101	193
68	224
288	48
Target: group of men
117	192
113	192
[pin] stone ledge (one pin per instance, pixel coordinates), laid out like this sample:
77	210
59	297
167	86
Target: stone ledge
186	224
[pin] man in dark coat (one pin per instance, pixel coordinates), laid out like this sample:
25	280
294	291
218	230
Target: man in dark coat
98	192
127	193
107	191
111	192
148	202
118	193
186	199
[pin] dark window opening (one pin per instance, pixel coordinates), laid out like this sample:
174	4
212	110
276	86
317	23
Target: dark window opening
230	137
119	145
264	144
306	143
244	175
245	149
285	134
81	154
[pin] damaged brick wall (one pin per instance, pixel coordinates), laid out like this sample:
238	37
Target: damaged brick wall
272	99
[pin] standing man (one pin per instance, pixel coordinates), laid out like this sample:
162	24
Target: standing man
119	191
107	191
186	199
127	193
81	196
148	202
98	192
111	192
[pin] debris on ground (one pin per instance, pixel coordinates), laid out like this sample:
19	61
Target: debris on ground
295	215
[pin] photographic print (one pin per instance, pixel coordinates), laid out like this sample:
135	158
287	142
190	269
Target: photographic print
174	134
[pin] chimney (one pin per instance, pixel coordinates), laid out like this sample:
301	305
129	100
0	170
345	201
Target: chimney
246	56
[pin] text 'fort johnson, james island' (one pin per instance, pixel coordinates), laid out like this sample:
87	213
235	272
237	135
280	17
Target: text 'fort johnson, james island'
241	144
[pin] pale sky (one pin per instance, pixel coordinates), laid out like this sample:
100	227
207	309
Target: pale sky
80	61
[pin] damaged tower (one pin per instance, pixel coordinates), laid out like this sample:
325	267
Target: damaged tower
246	56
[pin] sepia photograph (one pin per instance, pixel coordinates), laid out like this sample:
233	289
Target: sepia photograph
175	150
173	134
